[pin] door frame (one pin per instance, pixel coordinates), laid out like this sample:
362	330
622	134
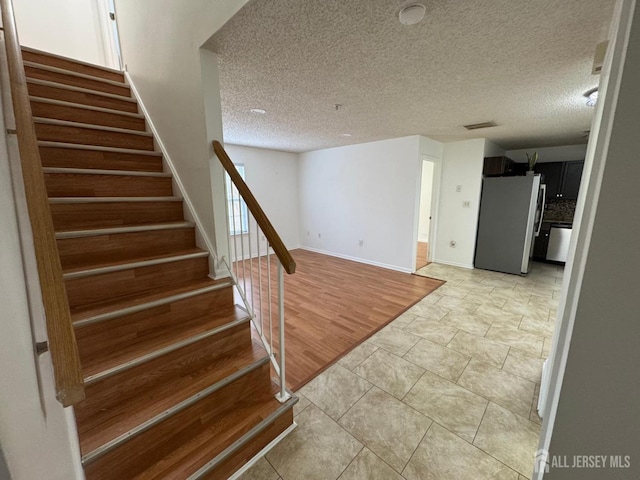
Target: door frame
435	200
109	33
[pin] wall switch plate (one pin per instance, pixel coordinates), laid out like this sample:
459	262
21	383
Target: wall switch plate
458	188
361	242
466	204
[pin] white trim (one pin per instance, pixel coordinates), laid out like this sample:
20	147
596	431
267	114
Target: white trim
595	163
454	264
202	239
435	197
357	259
263	452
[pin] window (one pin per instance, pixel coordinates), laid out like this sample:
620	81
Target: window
238	218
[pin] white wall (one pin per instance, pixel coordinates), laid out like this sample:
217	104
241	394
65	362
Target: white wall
493	150
461	169
367	192
592	407
36	436
272	176
426	190
160	42
564	153
71	28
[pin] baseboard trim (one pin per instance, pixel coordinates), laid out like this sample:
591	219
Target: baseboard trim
454	264
357	259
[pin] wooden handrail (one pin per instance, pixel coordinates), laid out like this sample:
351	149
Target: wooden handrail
61	337
287	261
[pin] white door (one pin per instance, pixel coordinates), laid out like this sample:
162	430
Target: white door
110	39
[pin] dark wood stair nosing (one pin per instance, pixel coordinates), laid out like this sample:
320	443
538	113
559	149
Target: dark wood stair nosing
148	305
91	379
114	443
242	441
129	265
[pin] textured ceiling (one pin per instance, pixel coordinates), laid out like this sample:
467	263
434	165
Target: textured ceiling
522	63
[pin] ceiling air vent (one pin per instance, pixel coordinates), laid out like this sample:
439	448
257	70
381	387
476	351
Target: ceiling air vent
476	126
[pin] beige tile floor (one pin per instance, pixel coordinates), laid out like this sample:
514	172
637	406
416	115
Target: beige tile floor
447	391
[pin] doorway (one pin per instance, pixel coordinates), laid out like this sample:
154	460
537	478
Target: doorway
110	37
423	250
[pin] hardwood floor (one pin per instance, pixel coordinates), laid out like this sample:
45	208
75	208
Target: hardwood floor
331	306
422	255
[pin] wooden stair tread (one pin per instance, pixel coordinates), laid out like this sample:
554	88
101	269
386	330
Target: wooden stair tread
80	184
68	77
91	310
84	96
125	262
93	366
77	112
105	425
212	441
46	58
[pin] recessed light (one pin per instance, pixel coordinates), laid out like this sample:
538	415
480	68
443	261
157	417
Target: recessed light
592	97
258	111
345	134
412	13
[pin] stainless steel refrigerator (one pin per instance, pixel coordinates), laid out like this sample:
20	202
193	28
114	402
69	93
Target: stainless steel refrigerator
511	211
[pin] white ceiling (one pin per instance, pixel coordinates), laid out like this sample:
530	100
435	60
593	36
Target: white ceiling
522	63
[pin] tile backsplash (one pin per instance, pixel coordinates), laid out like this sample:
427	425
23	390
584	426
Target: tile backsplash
559	211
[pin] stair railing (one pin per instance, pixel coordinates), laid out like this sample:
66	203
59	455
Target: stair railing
249	227
61	344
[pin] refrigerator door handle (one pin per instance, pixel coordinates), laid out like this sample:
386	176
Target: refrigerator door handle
543	188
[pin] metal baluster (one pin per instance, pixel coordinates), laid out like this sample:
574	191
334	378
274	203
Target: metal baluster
244	270
283	396
258	233
226	197
235	235
251	270
269	300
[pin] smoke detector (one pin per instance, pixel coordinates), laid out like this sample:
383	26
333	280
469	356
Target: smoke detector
412	13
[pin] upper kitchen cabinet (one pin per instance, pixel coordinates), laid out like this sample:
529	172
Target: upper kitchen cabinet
571	180
497	166
562	178
552	173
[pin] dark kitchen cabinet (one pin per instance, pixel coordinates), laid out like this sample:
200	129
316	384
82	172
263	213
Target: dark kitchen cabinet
541	242
561	178
571	180
497	166
552	173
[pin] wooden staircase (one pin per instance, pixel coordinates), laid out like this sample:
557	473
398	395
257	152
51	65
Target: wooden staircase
175	386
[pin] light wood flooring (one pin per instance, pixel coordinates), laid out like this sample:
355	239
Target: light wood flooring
422	255
331	306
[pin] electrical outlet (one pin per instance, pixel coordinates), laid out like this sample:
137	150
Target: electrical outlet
361	242
319	235
307	233
458	188
452	244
